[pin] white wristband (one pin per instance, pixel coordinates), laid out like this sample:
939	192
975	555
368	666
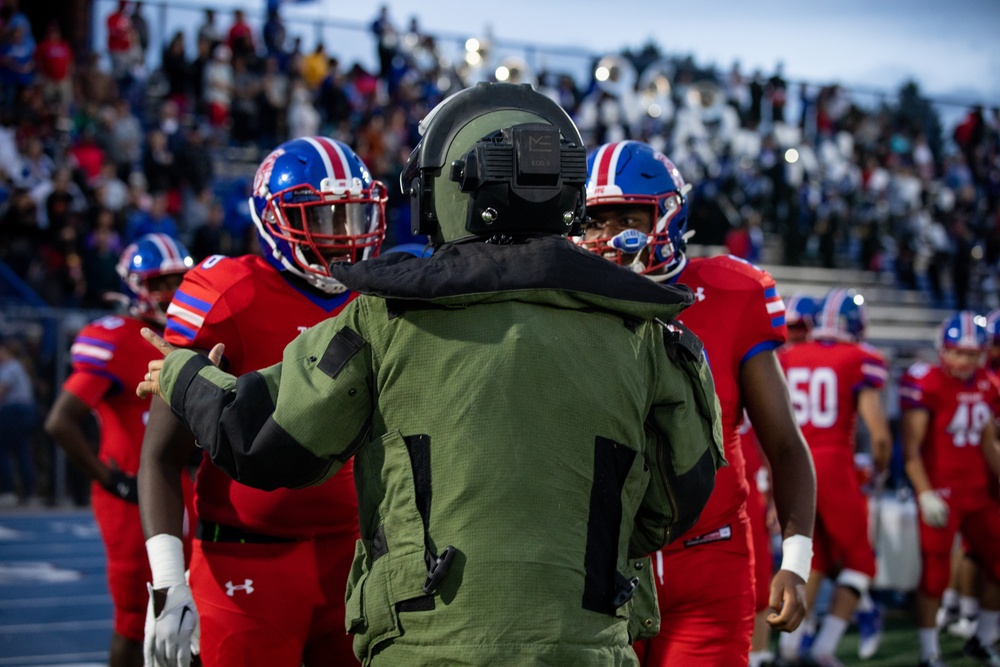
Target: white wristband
166	560
797	555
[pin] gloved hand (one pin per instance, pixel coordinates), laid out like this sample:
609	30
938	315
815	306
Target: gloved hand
174	634
933	509
122	485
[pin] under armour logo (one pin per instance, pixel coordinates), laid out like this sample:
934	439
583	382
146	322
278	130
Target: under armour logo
699	294
246	586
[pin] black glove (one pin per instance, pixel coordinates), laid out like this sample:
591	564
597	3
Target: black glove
124	486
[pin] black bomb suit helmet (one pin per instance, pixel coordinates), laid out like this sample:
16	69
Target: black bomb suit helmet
496	161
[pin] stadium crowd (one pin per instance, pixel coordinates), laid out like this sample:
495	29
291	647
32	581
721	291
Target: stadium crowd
91	157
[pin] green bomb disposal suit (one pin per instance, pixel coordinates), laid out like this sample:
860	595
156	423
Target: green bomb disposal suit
525	427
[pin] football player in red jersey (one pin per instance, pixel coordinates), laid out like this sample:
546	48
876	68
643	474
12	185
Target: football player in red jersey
833	379
108	356
952	460
800	317
269	569
637	208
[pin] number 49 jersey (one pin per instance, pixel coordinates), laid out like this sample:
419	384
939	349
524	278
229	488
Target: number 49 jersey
824	379
959	410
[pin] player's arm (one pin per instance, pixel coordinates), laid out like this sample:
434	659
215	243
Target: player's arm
793	482
166	449
290	425
990	446
915	424
870	409
765	397
65	424
934	509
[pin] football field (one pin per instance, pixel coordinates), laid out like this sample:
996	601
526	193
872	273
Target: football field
55	609
899	645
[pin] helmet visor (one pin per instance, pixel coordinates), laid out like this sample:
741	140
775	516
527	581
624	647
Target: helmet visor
345	225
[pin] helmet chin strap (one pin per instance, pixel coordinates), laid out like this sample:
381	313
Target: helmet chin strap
321	282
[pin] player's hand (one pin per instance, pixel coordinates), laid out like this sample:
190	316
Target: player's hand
172	630
123	485
788	600
933	509
150	384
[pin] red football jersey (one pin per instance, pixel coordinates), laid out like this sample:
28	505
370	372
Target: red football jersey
959	409
824	378
737	313
110	357
246	304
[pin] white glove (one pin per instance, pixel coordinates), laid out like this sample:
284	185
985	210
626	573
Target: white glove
933	509
171	637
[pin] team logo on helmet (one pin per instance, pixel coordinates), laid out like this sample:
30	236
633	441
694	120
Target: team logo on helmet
263	174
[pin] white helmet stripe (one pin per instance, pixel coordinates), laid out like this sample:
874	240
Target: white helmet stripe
832	311
338	167
168	254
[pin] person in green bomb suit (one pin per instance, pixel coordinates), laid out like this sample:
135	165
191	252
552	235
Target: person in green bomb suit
527	419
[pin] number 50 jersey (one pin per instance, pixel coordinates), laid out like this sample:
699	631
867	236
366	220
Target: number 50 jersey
824	379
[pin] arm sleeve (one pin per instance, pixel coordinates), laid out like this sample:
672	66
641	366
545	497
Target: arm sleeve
290	425
762	322
874	372
684	444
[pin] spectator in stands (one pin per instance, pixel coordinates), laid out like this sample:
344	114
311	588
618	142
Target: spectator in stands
169	122
212	238
386	41
240	40
110	192
315	66
274	35
177	71
34	167
12	17
777	94
195	164
92	84
18	418
197	75
272	103
303	119
19	233
101	251
244	110
120	39
208	32
332	100
125	138
218	82
17	64
55	67
158	164
154	221
140	29
87	153
61	198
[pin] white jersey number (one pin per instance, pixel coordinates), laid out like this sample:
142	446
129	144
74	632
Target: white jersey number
814	395
968	422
